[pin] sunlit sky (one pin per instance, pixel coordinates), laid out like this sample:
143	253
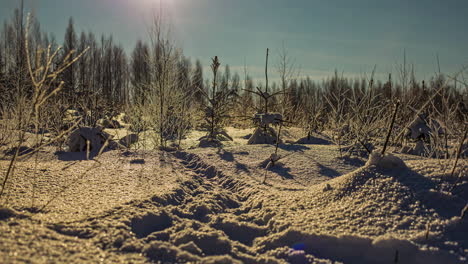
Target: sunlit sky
321	36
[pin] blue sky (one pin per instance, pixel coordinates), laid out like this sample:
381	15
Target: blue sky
321	36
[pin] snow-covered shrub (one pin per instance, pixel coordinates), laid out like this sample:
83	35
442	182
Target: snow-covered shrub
81	137
422	128
267	119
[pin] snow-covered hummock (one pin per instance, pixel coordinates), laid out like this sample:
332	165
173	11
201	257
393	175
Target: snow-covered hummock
314	140
95	135
209	142
260	136
420	128
376	214
387	161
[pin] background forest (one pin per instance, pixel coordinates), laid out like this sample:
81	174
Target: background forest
156	81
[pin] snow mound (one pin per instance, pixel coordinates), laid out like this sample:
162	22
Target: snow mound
77	141
423	127
221	135
208	142
314	140
214	141
387	161
376	205
260	136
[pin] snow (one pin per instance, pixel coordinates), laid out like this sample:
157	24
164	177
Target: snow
314	139
267	119
262	136
96	137
423	127
208	205
387	161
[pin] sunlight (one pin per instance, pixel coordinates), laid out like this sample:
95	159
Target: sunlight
157	3
168	6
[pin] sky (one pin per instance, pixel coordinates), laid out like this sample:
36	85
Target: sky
320	36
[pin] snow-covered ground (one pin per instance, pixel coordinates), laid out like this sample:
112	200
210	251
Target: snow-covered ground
210	206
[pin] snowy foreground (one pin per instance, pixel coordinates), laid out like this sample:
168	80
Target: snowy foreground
210	206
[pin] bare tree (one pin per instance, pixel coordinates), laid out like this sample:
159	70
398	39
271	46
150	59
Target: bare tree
286	70
44	79
69	47
140	72
197	82
162	66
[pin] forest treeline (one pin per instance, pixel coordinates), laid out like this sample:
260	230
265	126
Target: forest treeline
107	80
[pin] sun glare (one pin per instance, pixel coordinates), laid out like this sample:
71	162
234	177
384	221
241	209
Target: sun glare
156	3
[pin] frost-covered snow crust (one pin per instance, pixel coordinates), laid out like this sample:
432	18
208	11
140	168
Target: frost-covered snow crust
213	209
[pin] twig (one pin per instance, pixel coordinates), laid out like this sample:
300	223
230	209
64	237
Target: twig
390	128
456	161
274	157
278	138
266	77
457	181
464	212
459	151
365	147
